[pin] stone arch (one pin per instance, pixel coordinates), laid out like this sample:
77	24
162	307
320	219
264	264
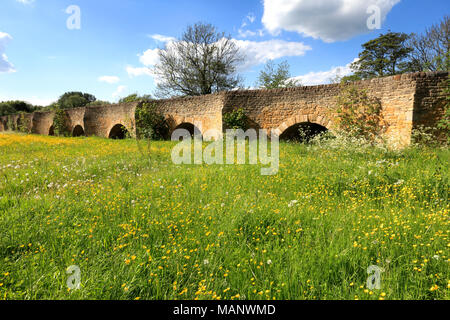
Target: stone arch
51	131
311	125
193	129
118	132
302	132
78	131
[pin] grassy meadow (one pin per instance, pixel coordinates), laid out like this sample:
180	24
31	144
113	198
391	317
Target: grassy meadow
140	227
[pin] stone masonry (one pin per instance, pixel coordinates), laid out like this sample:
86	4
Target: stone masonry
408	102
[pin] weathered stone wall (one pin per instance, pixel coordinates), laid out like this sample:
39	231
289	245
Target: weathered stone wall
278	109
429	100
75	117
4	123
205	112
408	101
99	120
42	122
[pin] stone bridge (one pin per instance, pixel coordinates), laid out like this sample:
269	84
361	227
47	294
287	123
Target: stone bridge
408	101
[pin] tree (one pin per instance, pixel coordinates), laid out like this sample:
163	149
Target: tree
430	51
383	56
135	97
276	76
203	61
12	107
70	100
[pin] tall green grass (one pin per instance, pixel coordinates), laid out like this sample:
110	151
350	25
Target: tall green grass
140	227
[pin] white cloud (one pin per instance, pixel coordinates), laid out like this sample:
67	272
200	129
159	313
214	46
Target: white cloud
34	100
161	38
119	90
255	53
245	33
260	52
109	79
149	57
329	20
324	77
251	17
139	71
249	33
25	1
5	65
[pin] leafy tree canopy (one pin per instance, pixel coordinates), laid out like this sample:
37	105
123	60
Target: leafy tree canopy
384	56
273	76
70	100
13	107
135	97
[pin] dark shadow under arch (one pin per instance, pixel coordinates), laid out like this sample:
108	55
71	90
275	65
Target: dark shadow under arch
118	132
51	131
302	132
78	131
189	127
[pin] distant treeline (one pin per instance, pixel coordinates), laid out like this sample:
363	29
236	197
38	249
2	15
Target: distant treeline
68	100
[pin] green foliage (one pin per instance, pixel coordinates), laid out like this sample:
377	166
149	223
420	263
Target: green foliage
10	124
23	123
383	56
60	122
359	114
135	98
273	77
150	123
444	123
424	137
98	103
431	50
71	100
13	107
350	78
236	119
155	230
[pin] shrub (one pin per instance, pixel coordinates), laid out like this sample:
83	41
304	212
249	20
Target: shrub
10	124
424	136
23	123
98	103
59	122
359	114
134	98
444	123
236	119
150	123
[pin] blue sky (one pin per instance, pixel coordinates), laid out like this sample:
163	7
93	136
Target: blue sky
112	53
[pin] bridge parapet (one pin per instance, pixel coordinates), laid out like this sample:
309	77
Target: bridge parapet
408	101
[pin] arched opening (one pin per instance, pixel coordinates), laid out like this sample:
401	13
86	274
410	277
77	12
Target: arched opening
118	132
51	131
303	132
193	130
78	131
